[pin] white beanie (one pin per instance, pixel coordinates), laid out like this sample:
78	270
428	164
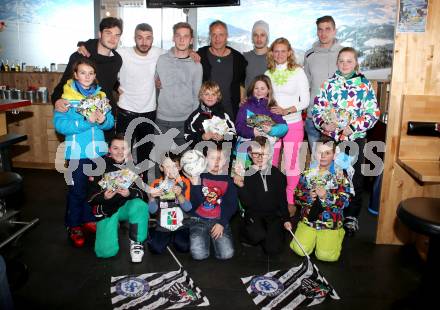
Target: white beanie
261	24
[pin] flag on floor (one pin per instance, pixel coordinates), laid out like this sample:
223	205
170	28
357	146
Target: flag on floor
289	289
160	290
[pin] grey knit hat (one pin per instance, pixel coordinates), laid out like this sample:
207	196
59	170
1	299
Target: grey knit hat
261	24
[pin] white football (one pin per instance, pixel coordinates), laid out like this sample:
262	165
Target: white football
193	162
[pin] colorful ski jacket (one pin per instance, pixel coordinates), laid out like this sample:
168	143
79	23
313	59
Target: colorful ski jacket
323	213
83	138
348	102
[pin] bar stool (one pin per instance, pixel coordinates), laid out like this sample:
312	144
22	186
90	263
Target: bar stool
11	183
422	215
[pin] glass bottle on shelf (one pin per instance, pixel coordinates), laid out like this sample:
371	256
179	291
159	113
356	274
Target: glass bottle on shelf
7	65
17	66
2	66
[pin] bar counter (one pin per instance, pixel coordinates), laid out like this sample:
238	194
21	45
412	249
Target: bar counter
34	120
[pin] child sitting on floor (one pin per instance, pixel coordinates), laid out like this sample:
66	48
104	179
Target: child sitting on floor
322	193
169	195
262	195
114	204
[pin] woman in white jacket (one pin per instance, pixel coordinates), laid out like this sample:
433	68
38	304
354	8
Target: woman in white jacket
291	92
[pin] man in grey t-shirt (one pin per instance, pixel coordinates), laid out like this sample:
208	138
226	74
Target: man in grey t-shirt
256	58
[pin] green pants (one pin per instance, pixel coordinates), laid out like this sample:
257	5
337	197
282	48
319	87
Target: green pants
134	211
327	242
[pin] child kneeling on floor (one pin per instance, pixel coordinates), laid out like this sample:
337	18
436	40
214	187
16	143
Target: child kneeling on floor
322	193
169	195
214	200
110	206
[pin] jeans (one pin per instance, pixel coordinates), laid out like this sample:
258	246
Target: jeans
313	134
200	240
78	211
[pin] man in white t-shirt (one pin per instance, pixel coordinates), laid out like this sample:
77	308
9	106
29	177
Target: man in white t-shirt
137	90
137	87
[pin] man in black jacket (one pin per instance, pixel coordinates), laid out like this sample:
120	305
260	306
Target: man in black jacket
107	60
262	195
224	65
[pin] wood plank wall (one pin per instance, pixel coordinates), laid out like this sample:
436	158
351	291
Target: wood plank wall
39	150
416	71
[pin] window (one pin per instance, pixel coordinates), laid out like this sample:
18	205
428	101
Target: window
41	32
162	21
366	25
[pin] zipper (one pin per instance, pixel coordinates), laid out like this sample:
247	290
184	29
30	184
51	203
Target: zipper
263	178
93	141
94	196
73	141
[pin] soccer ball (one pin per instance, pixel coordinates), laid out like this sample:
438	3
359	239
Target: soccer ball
193	162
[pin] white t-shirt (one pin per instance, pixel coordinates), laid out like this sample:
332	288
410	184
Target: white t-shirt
136	79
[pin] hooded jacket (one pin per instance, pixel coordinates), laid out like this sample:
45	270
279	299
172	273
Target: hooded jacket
327	212
319	65
258	106
83	138
352	99
107	68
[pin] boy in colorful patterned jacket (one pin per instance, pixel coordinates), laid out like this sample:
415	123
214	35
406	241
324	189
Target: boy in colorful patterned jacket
322	193
345	109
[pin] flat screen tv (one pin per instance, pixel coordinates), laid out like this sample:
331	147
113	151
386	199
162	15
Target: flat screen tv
189	3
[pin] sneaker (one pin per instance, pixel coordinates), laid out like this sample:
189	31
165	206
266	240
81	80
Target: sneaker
351	225
90	227
76	236
136	251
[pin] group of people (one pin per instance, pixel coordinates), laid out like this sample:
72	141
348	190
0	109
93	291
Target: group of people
243	155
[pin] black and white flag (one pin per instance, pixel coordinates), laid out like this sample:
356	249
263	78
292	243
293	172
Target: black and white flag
160	290
289	289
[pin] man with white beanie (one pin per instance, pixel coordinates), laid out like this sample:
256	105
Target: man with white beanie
256	58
